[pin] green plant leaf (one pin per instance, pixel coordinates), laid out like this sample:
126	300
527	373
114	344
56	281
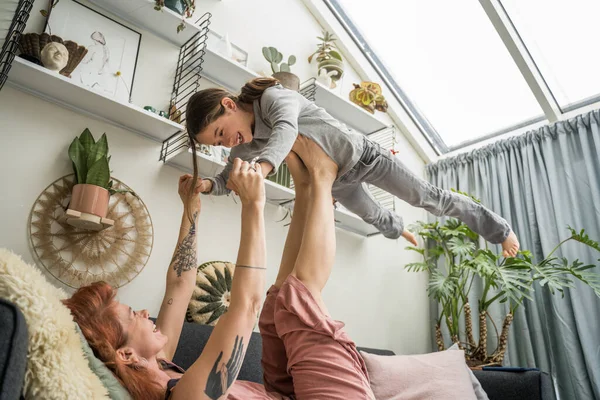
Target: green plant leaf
335	54
216	314
284	67
209	289
417	267
209	307
267	54
442	287
514	283
221	280
421	251
99	173
475	199
291	60
549	273
460	247
44	13
87	140
97	151
582	237
208	298
77	156
274	67
214	282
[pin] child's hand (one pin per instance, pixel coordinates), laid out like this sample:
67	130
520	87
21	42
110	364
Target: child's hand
410	237
205	185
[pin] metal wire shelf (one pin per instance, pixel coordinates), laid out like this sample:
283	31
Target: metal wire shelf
13	37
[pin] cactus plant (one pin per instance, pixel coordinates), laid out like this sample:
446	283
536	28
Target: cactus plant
274	57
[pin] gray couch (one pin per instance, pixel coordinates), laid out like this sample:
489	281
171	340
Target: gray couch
531	385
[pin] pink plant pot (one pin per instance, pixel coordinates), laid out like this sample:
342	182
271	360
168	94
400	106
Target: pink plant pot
90	199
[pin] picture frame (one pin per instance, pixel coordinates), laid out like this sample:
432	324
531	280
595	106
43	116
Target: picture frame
113	48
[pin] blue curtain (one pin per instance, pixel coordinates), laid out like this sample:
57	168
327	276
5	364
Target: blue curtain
541	182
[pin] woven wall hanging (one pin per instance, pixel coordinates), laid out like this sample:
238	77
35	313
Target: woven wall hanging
79	257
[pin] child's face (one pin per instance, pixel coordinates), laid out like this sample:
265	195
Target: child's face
229	130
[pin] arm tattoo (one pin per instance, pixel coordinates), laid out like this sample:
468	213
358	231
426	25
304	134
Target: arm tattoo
170	301
185	256
248	266
222	376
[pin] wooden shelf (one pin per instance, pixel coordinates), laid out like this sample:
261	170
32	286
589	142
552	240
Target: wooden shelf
342	109
55	88
163	23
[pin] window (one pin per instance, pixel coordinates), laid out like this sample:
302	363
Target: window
449	66
561	37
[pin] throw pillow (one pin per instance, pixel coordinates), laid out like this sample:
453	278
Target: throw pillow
479	392
56	366
116	391
212	293
439	376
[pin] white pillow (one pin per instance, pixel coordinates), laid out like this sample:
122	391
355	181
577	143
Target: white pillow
479	392
56	366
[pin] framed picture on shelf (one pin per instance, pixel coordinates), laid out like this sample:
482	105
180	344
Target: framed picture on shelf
221	45
109	65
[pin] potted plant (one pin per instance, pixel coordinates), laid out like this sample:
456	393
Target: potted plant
90	194
281	70
329	59
368	95
454	260
185	8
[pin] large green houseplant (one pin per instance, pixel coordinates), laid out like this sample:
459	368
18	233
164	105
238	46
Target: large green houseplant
454	260
90	195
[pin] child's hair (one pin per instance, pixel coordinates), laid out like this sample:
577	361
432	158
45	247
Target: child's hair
94	310
204	107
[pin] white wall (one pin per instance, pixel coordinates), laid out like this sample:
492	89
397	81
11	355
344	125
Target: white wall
383	306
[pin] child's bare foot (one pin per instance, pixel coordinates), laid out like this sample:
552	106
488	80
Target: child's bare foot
410	237
318	163
510	246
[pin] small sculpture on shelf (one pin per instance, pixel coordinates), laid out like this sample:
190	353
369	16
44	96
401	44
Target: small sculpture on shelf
34	47
55	56
281	70
368	95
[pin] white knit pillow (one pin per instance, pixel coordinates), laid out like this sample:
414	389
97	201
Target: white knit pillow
56	366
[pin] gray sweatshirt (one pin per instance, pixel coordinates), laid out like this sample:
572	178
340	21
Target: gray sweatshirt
279	115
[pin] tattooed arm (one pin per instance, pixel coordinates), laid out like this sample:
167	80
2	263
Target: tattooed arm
181	274
215	371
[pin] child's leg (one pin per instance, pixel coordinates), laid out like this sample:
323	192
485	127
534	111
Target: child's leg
357	198
386	171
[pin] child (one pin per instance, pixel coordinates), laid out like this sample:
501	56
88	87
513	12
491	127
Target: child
263	122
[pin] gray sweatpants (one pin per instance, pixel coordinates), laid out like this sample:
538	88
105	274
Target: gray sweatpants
379	167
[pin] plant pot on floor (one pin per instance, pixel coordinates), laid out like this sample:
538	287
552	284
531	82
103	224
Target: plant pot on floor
288	80
88	207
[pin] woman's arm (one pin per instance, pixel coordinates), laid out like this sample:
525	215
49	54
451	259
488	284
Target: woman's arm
181	275
211	376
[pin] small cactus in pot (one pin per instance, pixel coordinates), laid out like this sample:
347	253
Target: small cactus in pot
281	70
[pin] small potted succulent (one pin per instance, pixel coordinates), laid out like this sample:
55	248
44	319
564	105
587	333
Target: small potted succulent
91	193
368	95
281	70
329	59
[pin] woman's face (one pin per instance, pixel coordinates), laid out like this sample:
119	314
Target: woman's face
229	130
143	336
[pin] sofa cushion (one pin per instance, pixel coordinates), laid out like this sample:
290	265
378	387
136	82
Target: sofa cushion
437	376
526	385
13	350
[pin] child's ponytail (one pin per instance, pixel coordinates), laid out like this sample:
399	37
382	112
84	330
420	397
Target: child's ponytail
254	89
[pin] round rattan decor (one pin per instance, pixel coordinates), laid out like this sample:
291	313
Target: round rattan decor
79	257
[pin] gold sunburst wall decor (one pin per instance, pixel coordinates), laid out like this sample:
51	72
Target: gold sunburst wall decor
78	257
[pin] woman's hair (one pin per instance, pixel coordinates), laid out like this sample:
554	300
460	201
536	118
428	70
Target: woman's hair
94	309
204	107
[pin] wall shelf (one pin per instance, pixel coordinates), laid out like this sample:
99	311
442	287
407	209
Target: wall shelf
55	88
161	23
176	152
340	108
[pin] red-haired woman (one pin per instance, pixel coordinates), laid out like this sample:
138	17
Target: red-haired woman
306	354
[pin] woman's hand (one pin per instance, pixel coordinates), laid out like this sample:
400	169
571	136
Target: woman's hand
190	196
247	181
